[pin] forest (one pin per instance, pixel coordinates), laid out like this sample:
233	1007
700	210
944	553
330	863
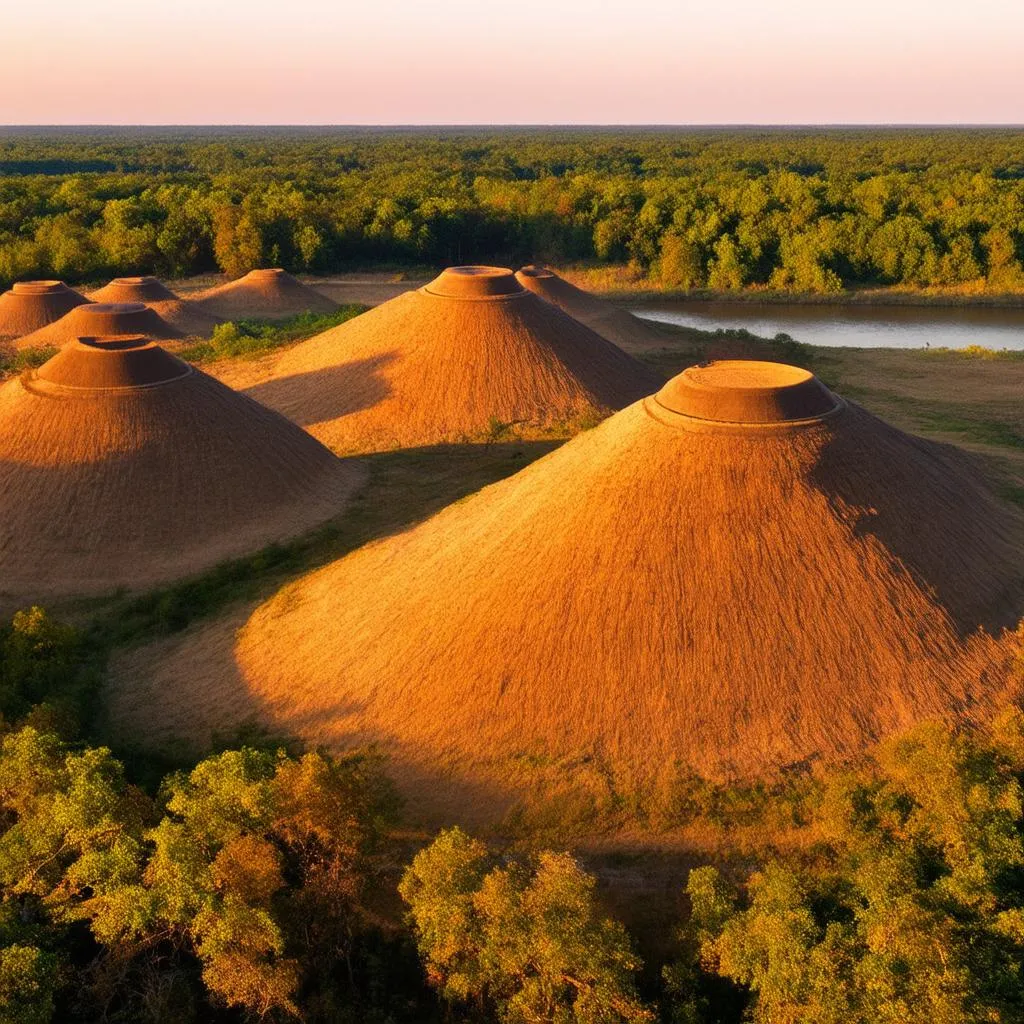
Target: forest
808	210
264	883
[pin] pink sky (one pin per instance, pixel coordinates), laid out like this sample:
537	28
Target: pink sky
559	61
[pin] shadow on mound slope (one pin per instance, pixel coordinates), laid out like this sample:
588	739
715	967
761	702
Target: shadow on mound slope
471	347
938	550
121	465
613	322
318	396
403	488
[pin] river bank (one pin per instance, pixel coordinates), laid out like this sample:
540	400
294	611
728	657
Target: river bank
624	285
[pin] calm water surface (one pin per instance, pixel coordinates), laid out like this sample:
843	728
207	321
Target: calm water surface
854	326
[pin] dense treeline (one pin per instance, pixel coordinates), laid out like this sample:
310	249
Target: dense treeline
264	884
809	210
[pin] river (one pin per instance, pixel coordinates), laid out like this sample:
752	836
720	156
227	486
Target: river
852	326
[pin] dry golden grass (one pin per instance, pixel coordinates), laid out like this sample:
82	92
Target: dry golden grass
445	363
121	465
263	294
659	590
101	320
611	322
188	317
29	305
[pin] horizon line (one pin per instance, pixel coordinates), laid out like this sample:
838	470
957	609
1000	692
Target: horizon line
522	124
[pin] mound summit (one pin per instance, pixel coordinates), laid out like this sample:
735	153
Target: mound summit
186	316
29	305
266	294
610	321
102	320
121	465
441	363
739	573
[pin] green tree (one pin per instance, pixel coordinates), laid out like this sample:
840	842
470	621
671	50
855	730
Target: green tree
28	980
47	670
915	910
681	264
262	863
528	940
237	241
726	270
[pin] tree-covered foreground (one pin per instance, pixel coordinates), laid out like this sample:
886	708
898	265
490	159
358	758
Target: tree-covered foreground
271	884
794	210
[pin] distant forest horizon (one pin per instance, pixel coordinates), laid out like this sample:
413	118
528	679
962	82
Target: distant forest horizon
804	209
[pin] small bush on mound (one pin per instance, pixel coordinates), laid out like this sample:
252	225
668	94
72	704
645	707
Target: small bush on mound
247	339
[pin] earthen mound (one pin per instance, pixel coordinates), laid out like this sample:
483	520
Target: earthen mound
264	294
121	465
610	321
29	305
737	574
183	314
444	362
102	319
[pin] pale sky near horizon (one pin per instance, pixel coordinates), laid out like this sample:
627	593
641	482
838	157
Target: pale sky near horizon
479	62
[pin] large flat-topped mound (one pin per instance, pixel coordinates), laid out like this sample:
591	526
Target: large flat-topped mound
112	363
123	466
29	305
611	322
182	314
651	598
134	289
269	293
474	283
102	319
445	362
747	392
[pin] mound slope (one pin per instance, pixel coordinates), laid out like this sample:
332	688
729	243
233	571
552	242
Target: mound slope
739	573
29	305
121	465
102	320
438	364
266	294
188	317
610	321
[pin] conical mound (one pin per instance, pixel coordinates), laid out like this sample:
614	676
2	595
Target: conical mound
443	362
133	289
30	305
737	574
188	317
121	465
102	320
611	322
269	294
